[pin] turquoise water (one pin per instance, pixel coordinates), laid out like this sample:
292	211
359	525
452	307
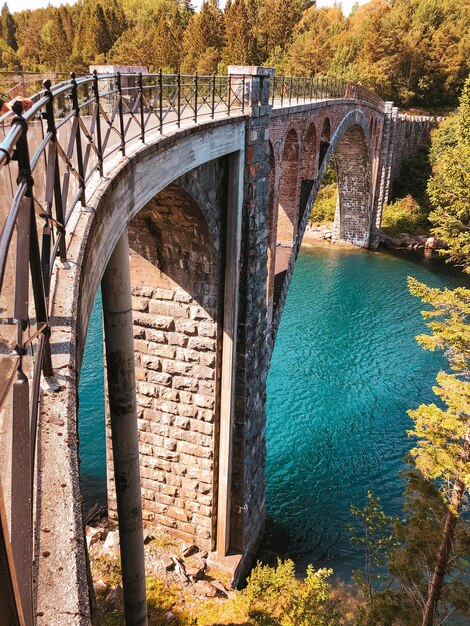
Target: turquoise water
345	369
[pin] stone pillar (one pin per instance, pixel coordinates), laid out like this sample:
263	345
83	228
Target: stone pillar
248	475
119	341
384	171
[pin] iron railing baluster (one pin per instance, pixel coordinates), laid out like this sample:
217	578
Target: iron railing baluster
213	95
229	94
160	98
78	140
21	485
141	105
178	89
98	144
121	113
195	96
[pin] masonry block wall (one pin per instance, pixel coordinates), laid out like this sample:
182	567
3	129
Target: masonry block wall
176	283
352	222
402	138
411	134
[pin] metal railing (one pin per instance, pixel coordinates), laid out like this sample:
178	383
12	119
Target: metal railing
73	132
70	134
292	90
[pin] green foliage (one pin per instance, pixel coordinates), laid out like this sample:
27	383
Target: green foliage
204	40
276	597
324	207
404	216
449	186
8	28
372	533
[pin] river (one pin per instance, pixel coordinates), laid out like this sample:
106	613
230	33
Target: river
345	369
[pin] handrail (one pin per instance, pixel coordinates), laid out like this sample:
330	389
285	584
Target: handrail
88	120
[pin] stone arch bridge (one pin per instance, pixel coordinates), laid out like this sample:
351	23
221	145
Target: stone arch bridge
186	200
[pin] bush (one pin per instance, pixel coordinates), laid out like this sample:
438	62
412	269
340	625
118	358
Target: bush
277	598
404	216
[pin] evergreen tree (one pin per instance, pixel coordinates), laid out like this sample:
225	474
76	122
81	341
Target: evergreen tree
449	188
239	43
204	40
8	28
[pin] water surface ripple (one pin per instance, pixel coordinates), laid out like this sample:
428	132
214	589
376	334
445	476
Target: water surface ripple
345	369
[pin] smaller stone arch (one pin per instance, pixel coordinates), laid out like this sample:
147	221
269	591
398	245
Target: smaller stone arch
287	219
309	152
325	137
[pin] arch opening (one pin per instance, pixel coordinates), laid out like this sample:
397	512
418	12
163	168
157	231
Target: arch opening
353	166
175	279
325	137
287	219
288	209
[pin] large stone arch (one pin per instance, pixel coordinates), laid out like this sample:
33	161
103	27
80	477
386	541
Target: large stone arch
176	279
288	207
93	233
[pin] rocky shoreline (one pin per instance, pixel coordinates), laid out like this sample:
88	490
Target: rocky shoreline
403	241
178	574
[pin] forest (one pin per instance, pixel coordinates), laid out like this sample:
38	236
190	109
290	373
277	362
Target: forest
414	52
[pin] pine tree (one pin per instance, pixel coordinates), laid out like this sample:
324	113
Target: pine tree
239	44
8	28
204	40
449	189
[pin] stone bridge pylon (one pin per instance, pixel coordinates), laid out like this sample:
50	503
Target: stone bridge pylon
186	202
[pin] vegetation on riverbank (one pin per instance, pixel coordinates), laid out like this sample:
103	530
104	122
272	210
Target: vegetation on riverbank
414	52
185	592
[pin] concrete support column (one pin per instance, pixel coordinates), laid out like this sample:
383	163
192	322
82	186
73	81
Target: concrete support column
117	314
227	400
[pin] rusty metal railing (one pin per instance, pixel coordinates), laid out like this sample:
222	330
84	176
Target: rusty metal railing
292	90
73	132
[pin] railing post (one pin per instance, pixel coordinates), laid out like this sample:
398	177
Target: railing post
98	143
243	93
229	94
178	78
78	139
121	114
160	98
54	172
141	104
196	86
290	90
283	86
298	86
213	95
